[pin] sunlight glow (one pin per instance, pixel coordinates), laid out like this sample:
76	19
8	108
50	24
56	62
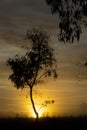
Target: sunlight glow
41	112
44	105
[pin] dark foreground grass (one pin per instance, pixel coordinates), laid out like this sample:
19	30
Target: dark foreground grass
54	123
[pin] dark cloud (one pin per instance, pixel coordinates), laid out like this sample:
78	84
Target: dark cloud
17	16
24	8
83	108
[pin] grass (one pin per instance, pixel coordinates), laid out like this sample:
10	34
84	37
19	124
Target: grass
55	123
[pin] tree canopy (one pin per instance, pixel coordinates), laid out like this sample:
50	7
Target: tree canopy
72	14
40	59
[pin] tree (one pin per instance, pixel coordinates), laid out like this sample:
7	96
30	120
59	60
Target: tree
72	14
37	63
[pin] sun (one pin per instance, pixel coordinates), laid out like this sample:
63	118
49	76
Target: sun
41	112
42	105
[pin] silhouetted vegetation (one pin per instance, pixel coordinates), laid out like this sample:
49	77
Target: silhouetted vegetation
70	123
72	18
72	14
37	63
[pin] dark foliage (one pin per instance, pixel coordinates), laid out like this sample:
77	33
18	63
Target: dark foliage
72	14
35	64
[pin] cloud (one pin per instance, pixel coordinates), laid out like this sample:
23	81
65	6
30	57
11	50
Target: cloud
26	8
17	16
83	108
17	6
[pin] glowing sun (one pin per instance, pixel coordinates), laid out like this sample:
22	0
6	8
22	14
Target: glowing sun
41	112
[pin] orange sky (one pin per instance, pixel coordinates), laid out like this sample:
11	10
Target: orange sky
70	89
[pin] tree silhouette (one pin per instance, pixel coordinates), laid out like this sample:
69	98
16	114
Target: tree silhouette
36	64
72	14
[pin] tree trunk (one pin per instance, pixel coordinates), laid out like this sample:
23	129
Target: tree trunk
33	104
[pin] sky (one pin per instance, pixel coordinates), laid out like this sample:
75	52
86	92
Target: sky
69	90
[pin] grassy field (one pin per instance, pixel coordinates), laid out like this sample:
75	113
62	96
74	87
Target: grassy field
55	123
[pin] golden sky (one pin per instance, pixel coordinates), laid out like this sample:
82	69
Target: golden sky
70	89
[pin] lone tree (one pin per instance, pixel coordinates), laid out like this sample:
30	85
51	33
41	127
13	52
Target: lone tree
37	63
72	14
